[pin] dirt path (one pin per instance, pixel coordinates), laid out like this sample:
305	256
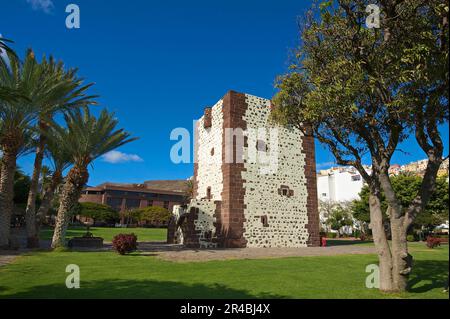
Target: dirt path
178	253
7	257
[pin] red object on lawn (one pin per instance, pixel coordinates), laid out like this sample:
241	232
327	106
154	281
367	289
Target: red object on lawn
324	241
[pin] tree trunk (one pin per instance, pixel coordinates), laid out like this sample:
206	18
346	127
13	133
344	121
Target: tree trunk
7	168
47	199
30	212
402	260
75	180
381	243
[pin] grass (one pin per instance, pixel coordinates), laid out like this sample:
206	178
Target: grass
107	233
108	275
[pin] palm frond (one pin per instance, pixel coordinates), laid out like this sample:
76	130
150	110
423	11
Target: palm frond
5	47
89	137
58	151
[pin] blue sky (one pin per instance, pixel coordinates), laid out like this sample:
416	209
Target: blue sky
157	64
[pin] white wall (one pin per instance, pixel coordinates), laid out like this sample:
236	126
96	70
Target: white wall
287	216
339	186
209	171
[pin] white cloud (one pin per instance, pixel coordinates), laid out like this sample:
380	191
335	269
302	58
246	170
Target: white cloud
115	157
44	5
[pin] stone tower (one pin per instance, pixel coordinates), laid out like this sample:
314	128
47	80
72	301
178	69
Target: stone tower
254	183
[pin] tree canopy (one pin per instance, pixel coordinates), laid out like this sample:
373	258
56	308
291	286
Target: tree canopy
407	186
96	211
21	187
339	217
152	215
362	91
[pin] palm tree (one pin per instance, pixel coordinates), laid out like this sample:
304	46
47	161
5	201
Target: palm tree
88	137
189	193
60	157
7	94
4	47
63	91
46	176
16	120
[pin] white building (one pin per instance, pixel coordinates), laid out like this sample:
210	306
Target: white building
339	185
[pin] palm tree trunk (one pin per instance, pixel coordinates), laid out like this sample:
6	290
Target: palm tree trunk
76	179
47	199
30	212
7	170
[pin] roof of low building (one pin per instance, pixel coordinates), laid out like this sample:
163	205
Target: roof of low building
158	186
176	185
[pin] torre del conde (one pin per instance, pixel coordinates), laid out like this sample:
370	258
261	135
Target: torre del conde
242	202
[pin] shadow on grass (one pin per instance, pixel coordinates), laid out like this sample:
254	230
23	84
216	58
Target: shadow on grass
346	242
427	275
137	289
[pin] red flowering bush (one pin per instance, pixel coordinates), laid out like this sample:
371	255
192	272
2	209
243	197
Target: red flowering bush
433	242
125	243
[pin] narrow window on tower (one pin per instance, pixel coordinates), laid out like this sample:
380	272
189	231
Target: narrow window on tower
264	221
261	146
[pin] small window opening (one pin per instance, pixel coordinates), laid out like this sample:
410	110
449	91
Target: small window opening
261	146
264	220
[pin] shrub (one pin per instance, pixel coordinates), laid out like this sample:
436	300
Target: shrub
433	242
410	238
125	243
331	235
154	216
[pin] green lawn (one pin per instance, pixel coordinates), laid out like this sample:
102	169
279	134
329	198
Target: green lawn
108	275
107	233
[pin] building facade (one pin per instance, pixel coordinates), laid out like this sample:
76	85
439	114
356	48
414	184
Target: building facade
254	184
339	185
123	197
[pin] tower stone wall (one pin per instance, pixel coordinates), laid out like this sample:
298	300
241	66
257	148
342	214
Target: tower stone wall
254	183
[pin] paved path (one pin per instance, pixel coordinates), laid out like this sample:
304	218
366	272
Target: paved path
178	253
6	257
